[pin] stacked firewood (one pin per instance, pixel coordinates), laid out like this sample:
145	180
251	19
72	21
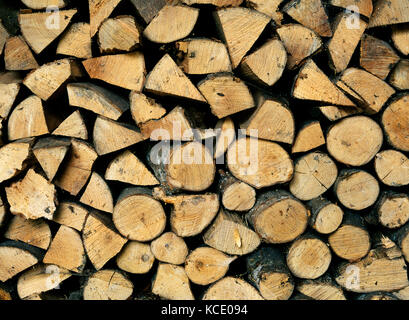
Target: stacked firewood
204	149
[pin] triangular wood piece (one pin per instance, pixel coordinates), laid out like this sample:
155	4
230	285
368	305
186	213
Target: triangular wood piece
270	8
111	136
388	12
167	79
3	37
13	158
148	9
73	126
50	152
18	56
76	41
98	195
96	99
400	38
99	10
123	70
144	108
44	81
311	14
312	84
41	28
240	27
309	137
365	7
128	168
8	94
43	4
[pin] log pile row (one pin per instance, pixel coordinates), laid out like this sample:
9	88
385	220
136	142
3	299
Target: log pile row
204	149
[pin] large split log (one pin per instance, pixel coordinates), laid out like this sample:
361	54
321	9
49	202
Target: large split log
108	285
135	257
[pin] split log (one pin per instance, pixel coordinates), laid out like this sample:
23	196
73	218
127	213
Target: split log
44	4
73	126
148	10
399	76
144	108
206	265
226	134
236	195
395	124
33	197
355	140
386	13
170	248
309	137
203	56
402	294
119	34
172	283
278	217
351	240
259	163
71	215
76	41
100	239
172	23
66	250
4	35
314	174
364	7
226	94
18	56
108	285
334	113
300	43
167	79
190	214
14	158
392	209
136	258
269	273
41	28
391	168
230	288
240	28
311	14
400	38
229	234
27	120
323	288
377	56
401	237
308	257
8	95
265	65
97	194
138	216
326	217
99	10
268	7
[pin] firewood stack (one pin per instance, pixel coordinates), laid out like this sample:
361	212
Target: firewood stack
204	149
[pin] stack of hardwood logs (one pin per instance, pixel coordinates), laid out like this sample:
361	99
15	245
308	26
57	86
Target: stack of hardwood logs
204	149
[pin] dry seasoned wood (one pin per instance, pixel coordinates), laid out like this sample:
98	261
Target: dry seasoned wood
308	257
172	283
41	28
206	265
18	56
363	7
311	14
270	274
138	216
4	35
66	250
230	288
226	94
326	216
342	45
77	169
99	10
191	214
259	163
44	4
170	248
240	28
351	240
314	174
312	84
135	257
268	7
27	120
392	168
334	113
395	124
33	197
101	241
8	94
323	288
71	214
172	23
400	75
309	137
144	108
355	140
229	234
225	130
148	9
122	70
377	56
400	38
167	79
73	126
76	41
392	209
278	217
119	34
96	99
14	158
110	136
389	12
108	285
300	43
265	65
236	195
97	194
